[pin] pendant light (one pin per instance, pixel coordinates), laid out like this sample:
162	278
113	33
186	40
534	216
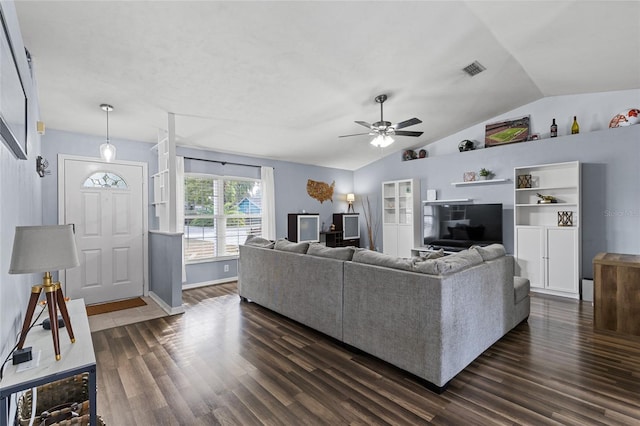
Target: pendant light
107	149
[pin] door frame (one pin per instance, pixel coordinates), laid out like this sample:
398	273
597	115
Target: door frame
145	210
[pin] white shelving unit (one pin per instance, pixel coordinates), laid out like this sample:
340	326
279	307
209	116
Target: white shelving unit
161	181
401	216
547	252
480	182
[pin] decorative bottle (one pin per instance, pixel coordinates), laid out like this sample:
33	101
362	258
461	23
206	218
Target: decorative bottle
575	129
554	129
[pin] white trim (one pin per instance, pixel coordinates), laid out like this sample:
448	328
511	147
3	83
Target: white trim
145	209
168	309
212	259
207	283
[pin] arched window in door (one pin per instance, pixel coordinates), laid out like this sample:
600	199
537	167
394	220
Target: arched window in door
105	180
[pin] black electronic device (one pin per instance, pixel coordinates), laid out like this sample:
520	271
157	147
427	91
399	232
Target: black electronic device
455	227
46	324
22	355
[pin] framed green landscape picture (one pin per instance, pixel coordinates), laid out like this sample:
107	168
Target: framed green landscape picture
505	132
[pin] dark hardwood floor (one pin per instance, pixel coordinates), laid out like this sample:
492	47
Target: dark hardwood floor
230	362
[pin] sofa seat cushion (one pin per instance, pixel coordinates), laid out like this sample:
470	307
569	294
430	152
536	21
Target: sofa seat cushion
380	259
254	240
521	287
340	253
490	252
286	245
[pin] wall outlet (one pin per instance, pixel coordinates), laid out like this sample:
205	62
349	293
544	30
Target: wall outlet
226	268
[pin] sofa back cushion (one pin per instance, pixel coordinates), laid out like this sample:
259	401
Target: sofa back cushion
448	264
458	261
254	240
429	255
340	253
491	252
380	259
426	266
286	245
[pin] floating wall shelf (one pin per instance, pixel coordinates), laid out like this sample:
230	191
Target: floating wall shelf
479	182
456	200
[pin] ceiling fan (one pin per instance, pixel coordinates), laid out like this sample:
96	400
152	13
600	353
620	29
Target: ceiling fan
383	130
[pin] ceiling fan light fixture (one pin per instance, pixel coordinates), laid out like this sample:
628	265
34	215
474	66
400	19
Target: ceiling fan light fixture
382	130
107	149
382	141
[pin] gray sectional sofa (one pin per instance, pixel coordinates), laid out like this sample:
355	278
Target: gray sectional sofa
430	317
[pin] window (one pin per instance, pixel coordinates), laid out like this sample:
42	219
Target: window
219	214
105	180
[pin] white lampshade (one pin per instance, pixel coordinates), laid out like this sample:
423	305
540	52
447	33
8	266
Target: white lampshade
43	249
108	152
351	198
382	141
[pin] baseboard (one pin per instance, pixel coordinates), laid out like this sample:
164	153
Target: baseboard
165	307
587	290
206	283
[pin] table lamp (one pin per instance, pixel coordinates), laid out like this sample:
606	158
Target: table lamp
350	199
45	249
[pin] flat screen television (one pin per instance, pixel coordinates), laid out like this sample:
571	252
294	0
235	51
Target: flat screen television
455	227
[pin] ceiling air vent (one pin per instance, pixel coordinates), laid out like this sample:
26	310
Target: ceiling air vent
474	69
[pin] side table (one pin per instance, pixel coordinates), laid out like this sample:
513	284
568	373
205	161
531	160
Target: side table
616	299
77	358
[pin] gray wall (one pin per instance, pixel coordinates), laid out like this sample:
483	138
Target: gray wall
21	200
56	142
165	267
290	183
609	200
291	196
610	176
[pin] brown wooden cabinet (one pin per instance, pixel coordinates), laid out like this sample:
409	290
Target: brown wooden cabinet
616	301
303	227
334	239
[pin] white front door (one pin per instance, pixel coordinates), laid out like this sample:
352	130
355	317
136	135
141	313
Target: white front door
105	203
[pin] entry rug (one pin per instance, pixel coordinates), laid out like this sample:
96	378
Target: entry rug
103	308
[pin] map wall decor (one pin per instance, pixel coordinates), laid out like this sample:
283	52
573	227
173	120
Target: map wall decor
321	191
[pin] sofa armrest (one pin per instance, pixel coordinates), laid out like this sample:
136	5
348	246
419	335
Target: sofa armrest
307	289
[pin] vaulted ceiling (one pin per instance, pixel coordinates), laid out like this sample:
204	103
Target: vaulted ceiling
283	80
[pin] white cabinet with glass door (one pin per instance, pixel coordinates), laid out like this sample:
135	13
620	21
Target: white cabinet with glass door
400	221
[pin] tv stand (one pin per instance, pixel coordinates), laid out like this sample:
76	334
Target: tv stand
334	239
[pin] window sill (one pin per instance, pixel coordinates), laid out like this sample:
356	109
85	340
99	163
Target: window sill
211	260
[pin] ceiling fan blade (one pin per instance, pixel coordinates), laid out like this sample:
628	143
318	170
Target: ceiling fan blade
407	123
355	134
365	124
406	133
